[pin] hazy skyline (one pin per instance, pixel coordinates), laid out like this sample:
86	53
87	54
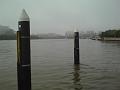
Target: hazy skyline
59	16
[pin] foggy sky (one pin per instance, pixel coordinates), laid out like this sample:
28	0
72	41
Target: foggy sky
58	16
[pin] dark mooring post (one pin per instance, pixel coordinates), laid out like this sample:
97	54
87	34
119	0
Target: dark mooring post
23	53
76	47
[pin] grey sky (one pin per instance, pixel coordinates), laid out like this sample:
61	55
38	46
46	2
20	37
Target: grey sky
62	15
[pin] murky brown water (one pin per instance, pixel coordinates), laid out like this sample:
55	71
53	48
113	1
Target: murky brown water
53	69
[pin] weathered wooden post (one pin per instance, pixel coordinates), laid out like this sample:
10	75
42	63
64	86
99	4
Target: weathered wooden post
23	53
76	47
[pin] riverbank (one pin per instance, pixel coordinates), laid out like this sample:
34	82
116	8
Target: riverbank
110	39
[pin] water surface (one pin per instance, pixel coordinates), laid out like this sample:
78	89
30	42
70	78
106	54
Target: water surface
53	69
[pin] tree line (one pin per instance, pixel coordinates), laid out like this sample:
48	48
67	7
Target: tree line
110	33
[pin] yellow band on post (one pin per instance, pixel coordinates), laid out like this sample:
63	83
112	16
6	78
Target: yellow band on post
18	46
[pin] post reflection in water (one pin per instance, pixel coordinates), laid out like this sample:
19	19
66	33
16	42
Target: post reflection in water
76	78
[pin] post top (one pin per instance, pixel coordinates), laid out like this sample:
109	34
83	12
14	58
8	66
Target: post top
76	30
24	16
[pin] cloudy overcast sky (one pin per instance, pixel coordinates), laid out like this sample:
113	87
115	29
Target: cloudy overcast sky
58	16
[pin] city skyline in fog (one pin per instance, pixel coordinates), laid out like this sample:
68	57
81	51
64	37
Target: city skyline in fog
59	16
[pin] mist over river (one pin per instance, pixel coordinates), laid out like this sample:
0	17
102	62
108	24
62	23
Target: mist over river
53	68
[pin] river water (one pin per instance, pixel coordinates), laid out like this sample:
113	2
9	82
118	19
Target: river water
53	68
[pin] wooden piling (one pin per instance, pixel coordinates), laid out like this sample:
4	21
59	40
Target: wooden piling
23	53
76	47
